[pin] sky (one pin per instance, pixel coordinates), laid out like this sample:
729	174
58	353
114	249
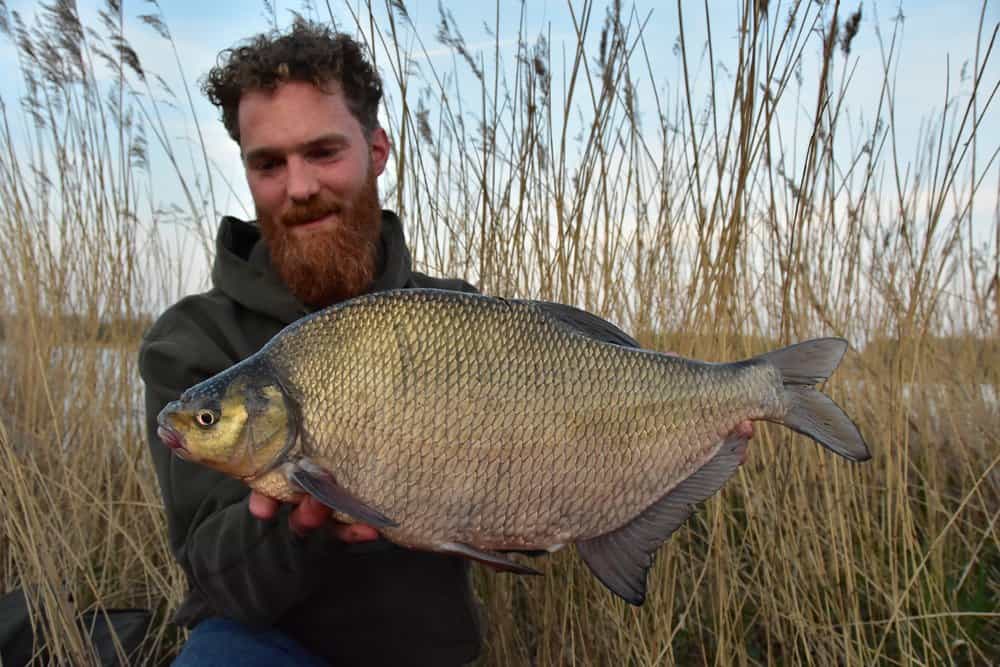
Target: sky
933	32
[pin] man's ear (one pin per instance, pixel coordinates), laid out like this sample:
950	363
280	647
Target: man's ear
380	150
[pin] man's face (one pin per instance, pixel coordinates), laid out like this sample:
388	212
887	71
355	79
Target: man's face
312	175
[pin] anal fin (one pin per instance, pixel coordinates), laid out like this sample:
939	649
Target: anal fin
489	558
534	553
622	558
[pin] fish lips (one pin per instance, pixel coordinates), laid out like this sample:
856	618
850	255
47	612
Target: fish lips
171	438
167	434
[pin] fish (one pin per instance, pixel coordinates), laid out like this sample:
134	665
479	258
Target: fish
477	426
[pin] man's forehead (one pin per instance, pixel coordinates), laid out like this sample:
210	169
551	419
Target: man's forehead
294	113
295	94
328	87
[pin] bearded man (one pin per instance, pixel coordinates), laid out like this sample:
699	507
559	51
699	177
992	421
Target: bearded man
276	584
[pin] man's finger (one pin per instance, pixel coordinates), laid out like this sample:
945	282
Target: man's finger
263	507
354	532
745	429
309	515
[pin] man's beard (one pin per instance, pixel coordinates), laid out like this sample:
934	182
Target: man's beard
332	264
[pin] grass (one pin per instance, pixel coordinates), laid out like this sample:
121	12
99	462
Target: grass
715	230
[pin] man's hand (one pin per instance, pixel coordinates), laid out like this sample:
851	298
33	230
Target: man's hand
310	515
744	429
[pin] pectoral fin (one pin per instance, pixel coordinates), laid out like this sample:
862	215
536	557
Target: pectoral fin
621	558
321	485
489	558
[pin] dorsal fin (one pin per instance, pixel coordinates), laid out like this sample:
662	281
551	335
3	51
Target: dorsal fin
588	324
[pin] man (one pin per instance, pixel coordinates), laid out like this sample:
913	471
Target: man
274	584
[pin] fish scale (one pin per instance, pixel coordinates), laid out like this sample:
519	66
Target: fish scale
468	424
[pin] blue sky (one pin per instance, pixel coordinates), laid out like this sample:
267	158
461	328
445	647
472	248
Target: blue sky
933	31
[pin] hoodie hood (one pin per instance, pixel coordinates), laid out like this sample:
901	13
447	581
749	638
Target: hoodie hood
243	270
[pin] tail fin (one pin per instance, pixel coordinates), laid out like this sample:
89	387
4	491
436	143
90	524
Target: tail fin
807	410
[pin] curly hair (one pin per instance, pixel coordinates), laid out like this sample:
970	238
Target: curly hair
309	52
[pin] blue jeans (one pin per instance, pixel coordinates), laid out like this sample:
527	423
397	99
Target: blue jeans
218	642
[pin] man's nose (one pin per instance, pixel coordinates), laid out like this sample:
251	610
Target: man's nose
303	182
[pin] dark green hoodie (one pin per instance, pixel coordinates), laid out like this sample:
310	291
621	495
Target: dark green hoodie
366	604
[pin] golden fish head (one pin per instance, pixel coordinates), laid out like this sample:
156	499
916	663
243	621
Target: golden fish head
239	423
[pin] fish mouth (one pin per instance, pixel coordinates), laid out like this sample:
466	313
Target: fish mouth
171	438
167	434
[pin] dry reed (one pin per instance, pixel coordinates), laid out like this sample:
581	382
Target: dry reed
685	221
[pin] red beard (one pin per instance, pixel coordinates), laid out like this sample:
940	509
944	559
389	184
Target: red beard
333	264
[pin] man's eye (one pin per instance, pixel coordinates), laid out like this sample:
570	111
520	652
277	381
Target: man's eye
323	153
266	165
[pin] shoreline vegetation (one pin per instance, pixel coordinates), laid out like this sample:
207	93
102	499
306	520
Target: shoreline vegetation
82	330
983	354
741	206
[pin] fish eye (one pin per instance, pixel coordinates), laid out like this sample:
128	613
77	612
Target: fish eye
205	418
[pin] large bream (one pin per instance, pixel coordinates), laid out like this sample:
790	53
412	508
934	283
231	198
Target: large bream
475	425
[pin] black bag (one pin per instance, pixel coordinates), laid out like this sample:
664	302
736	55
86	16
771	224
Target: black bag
18	644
